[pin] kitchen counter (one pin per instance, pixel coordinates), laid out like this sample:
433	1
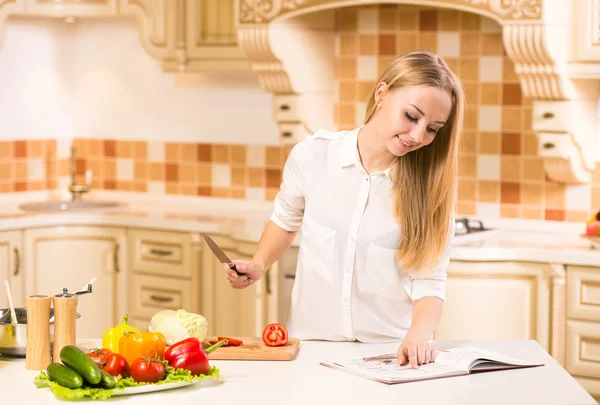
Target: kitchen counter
305	381
509	240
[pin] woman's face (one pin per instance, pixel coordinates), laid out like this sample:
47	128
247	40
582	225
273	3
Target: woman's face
409	118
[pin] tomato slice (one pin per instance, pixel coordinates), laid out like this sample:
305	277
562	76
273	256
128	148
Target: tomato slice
275	334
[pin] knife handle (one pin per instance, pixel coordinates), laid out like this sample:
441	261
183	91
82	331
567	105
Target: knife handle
232	267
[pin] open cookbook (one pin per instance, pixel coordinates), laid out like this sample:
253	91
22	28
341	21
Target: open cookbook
448	363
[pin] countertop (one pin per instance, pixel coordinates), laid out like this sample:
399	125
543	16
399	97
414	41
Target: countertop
512	240
305	381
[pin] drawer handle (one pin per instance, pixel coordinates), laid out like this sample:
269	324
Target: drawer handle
160	298
548	115
17	262
548	145
286	134
160	252
284	107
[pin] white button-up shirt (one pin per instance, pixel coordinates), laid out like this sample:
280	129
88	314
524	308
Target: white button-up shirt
347	285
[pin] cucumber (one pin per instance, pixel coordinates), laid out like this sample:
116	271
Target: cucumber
64	376
107	381
76	359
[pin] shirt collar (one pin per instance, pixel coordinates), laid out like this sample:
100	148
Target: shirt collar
349	151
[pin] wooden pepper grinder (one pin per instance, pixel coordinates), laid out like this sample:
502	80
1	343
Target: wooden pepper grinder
37	351
65	314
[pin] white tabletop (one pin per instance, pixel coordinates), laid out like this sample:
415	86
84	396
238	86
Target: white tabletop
304	381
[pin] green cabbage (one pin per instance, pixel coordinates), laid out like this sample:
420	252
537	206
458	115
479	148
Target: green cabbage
178	325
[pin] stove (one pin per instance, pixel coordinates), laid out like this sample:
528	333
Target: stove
466	226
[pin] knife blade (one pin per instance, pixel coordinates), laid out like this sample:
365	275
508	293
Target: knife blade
220	254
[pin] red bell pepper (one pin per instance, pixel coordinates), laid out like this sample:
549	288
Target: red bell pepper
189	354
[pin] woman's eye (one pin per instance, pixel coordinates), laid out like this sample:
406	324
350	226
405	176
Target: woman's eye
433	131
411	118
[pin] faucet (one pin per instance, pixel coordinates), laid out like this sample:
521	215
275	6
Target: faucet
77	190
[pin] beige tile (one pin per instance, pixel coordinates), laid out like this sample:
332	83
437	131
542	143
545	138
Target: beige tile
596	175
577	216
489	191
596	198
510	168
555	194
490	69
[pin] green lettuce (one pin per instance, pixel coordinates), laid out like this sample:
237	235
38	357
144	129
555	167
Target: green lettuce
171	376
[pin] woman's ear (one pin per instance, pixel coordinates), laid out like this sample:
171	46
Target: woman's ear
380	92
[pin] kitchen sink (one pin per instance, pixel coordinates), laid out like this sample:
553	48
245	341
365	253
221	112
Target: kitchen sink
68	206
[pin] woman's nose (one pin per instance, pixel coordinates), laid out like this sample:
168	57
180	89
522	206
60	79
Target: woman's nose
417	134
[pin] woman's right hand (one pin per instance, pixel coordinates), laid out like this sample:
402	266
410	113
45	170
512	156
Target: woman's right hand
251	273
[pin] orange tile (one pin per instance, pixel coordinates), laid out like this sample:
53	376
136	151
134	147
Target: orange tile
466	190
387	17
96	165
470	44
489	142
271	193
428	40
140	186
387	44
6	150
407	19
555	195
172	172
124	185
62	167
533	169
490	93
336	114
471	93
51	148
204	152
467	166
527	119
20	186
220	192
220	154
577	216
204	175
596	175
347	115
453	64
238	176
348	67
466	208
186	172
256	177
471	120
428	20
510	211
383	62
595	198
348	91
172	188
34	148
367	44
20	149
492	44
406	42
508	71
448	20
110	169
470	22
511	144
189	189
274	156
20	170
511	118
468	142
110	185
124	149
157	171
469	69
238	193
510	167
140	150
35	186
238	154
348	44
510	193
6	170
204	191
489	191
172	151
348	19
511	94
7	187
554	215
188	152
273	178
530	145
110	148
81	166
141	171
533	213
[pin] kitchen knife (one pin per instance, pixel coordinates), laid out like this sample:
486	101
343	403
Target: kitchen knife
220	254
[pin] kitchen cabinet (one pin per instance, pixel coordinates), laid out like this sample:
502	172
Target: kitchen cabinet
11	269
69	257
583	326
233	312
586	34
500	300
183	35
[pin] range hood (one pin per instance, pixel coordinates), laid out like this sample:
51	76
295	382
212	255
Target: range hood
290	44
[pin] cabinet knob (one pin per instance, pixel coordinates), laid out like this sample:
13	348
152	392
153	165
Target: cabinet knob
548	145
286	134
284	107
548	115
160	298
160	252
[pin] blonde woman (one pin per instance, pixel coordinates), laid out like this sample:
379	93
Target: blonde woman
375	209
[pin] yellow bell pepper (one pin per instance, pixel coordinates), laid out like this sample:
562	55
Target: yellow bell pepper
110	339
134	345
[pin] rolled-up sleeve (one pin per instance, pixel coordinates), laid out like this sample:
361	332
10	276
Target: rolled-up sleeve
433	284
288	209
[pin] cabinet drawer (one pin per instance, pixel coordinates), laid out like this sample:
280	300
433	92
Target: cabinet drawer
287	108
552	116
291	134
150	294
583	349
161	253
583	293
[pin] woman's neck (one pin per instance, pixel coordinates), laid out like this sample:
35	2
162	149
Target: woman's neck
374	155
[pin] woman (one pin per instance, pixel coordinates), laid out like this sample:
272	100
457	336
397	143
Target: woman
374	206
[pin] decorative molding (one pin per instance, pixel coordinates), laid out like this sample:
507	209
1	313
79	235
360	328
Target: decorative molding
596	23
262	11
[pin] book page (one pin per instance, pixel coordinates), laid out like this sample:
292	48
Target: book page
387	369
469	358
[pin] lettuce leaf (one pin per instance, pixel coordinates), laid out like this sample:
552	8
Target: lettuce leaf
171	375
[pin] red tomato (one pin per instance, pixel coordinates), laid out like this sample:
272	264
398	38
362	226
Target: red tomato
147	370
99	355
116	365
275	334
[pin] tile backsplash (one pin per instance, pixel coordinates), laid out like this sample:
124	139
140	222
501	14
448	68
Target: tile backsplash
500	174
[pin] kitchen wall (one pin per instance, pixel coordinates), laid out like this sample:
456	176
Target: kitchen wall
141	130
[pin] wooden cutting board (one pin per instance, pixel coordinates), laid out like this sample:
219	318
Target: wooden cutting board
254	349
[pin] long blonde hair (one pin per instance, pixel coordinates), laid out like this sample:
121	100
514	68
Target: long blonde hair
424	180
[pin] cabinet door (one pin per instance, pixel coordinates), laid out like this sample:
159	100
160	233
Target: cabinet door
71	8
586	31
69	257
11	268
232	312
503	300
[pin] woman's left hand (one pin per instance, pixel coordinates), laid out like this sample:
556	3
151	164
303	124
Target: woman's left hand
416	351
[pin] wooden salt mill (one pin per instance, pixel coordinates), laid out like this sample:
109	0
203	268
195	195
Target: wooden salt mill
65	314
37	351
